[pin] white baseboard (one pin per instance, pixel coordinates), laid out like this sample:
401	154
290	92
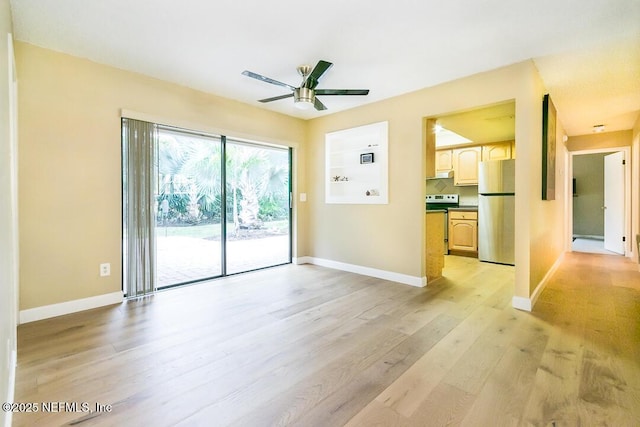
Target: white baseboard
521	303
526	304
68	307
301	260
419	282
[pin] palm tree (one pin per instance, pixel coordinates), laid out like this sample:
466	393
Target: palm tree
255	174
275	196
190	167
245	167
202	165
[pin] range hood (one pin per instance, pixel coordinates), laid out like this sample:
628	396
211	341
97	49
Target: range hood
447	174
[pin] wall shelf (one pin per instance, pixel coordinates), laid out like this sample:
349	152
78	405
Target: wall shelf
361	155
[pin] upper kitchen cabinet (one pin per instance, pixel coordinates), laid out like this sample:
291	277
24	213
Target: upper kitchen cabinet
459	141
497	151
444	160
465	165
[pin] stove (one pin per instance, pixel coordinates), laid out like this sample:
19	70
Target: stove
439	202
442	201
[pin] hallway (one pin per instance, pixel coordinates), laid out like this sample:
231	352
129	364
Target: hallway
590	372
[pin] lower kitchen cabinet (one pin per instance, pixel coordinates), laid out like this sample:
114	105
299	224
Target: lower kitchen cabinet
434	244
463	233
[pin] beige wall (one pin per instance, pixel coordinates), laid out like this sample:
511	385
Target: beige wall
390	237
546	218
8	220
588	216
600	140
635	190
70	171
70	164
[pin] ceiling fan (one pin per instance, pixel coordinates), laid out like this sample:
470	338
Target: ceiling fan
304	96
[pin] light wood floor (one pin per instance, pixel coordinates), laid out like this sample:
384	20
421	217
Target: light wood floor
309	346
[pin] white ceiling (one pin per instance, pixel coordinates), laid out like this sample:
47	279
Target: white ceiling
480	125
587	51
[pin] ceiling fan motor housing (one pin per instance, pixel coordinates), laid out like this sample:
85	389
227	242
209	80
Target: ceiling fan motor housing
304	94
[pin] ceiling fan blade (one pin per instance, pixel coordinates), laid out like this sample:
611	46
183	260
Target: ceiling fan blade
319	105
312	79
266	79
275	98
342	91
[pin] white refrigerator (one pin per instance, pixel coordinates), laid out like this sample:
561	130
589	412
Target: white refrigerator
496	205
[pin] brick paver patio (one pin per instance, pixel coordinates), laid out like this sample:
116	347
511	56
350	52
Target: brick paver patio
184	259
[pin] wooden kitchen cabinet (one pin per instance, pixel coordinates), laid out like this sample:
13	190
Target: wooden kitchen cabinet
463	233
497	151
434	243
465	165
444	160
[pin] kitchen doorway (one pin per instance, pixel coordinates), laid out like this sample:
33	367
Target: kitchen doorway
460	142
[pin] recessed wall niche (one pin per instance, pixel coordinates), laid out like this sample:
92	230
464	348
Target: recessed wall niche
357	165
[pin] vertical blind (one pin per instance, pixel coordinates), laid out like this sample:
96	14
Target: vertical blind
139	147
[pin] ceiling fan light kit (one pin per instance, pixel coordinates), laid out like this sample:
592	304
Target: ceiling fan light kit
304	96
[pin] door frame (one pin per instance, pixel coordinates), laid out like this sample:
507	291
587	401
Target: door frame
225	139
627	196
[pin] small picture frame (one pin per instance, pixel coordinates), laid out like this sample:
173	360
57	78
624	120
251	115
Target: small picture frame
366	158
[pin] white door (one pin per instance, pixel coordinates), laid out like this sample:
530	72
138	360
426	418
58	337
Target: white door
614	202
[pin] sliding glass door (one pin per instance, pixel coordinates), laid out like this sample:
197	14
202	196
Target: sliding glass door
188	207
214	206
258	207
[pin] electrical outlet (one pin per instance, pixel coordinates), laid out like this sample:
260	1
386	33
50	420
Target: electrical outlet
105	269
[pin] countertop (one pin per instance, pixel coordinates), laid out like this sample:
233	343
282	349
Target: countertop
465	208
436	211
